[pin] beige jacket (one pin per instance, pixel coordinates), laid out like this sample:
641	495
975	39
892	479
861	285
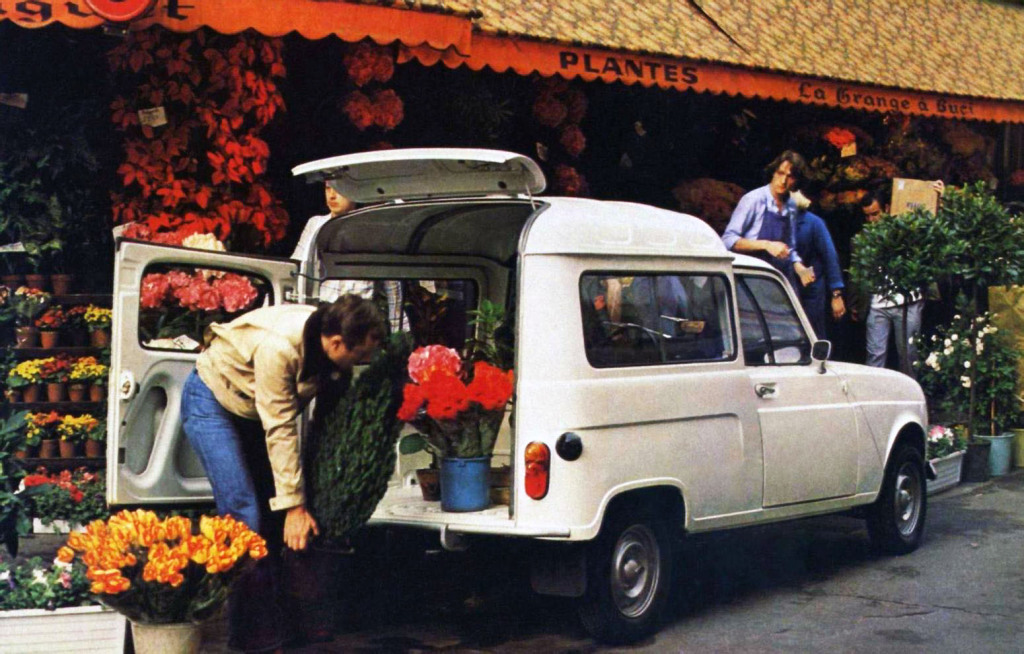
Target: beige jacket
253	366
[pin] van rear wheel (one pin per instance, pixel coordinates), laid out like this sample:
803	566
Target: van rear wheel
629	567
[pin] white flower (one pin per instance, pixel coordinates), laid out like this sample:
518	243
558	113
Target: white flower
57	563
954	338
980	348
5	575
934	338
947	342
39	576
979	319
947	351
203	242
965	381
967	364
933	361
956	317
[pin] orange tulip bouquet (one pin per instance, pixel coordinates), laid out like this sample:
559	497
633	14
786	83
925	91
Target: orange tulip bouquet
166	571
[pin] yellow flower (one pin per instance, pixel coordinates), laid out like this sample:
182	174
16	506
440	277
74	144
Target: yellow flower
97	317
87	368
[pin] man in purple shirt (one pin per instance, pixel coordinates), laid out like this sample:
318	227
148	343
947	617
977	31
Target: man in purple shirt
764	221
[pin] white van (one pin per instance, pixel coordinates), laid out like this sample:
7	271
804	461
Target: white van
672	384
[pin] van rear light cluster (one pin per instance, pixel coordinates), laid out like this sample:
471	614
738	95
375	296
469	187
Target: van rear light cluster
537	457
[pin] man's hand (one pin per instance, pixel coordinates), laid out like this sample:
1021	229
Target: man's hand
805	274
777	249
838	307
939	187
297	524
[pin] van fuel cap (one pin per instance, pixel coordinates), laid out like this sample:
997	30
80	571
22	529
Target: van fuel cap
569	446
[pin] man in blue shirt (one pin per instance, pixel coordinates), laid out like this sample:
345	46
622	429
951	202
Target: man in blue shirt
819	253
763	223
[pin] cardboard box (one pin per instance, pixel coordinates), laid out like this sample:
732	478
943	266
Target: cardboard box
908	194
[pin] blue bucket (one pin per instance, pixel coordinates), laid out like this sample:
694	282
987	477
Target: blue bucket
465	484
1001	454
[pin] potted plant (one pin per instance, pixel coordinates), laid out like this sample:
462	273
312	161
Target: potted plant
85	372
75	326
7	315
97	320
945	454
54	373
15	520
67	500
49	325
28	303
42	427
73	431
96	439
968	363
166	576
26	377
458	411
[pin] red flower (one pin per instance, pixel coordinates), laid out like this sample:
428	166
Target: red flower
425	362
366	62
569	181
236	291
573	140
35	480
155	289
388	109
491	387
412	399
359	109
1017	178
576	101
446	397
549	110
839	137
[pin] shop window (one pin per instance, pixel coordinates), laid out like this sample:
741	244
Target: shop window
647	319
178	302
769	326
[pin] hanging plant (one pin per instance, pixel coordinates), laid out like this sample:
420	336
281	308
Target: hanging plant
197	93
559	108
365	108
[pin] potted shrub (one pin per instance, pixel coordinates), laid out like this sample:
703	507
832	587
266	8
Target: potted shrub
945	454
49	325
28	303
45	607
97	320
54	373
166	576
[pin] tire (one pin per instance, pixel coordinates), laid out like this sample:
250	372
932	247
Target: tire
629	568
896	519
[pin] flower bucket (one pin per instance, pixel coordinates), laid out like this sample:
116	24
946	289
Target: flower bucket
181	638
1000	454
1018	448
976	461
72	629
465	484
947	472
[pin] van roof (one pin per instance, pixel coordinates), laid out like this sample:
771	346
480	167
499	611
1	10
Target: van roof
585	226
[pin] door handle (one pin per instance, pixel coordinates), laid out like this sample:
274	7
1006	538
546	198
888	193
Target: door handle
765	390
126	386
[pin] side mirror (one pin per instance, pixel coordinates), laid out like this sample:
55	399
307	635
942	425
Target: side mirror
820	351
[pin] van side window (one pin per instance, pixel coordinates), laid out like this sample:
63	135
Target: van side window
177	302
646	319
769	326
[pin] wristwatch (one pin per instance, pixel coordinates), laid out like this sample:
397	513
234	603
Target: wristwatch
837	293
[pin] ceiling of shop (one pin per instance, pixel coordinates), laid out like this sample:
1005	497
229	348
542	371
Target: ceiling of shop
962	47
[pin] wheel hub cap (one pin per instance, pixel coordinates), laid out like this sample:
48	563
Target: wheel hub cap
635	570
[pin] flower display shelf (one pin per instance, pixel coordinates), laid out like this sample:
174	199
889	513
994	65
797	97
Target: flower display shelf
99	299
41	352
71	463
55	527
74	629
947	472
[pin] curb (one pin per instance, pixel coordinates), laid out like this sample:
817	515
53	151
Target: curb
965	488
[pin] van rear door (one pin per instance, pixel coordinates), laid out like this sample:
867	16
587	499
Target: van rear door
164	296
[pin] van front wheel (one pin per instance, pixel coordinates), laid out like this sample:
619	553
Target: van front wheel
629	567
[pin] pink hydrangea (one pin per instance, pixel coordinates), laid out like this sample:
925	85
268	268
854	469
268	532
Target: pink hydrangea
431	360
236	291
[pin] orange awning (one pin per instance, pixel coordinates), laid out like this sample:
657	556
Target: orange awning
502	53
312	19
705	50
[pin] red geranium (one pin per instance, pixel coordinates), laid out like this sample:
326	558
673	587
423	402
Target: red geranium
367	62
388	109
568	180
491	387
51	320
573	140
359	109
840	137
236	291
549	110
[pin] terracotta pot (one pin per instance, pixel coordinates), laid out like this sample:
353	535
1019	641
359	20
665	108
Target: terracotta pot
97	392
78	337
12	281
61	283
26	337
78	391
430	483
48	448
32	392
95	449
56	392
20	454
13	395
99	338
68	450
49	338
36	281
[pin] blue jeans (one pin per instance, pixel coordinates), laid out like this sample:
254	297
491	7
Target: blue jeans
233	452
881	322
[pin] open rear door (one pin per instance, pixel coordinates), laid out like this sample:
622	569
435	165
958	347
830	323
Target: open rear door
163	299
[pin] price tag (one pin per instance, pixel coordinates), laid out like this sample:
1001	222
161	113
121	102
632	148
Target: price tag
848	150
153	117
19	100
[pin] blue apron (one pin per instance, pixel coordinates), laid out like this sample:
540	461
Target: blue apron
776	227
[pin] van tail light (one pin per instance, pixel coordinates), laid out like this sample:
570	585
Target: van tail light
538	469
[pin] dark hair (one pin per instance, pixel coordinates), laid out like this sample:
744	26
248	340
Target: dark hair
352	317
795	160
870	198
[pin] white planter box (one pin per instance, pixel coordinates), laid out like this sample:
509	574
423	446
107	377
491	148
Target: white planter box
947	472
71	630
56	527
